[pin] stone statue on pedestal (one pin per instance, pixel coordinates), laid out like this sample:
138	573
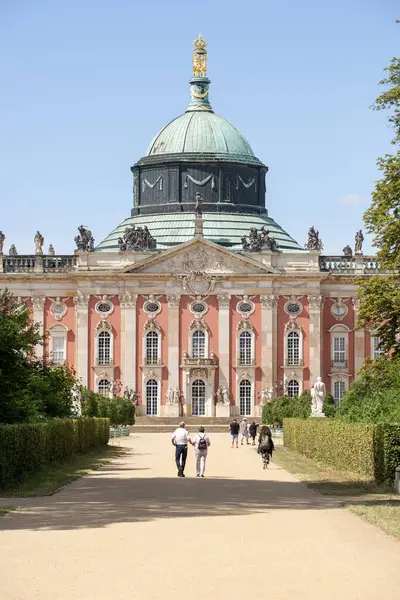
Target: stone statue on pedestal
266	395
39	241
359	238
176	395
2	238
318	395
170	396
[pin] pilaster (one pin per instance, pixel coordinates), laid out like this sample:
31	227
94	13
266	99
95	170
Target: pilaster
359	341
128	339
38	303
81	302
315	305
173	340
269	334
224	339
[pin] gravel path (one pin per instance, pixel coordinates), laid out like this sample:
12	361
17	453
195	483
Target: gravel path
133	530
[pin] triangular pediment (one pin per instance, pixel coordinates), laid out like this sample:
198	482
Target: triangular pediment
199	255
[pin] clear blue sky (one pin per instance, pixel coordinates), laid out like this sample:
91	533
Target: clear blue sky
86	84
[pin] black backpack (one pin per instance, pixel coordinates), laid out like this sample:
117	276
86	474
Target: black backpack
202	445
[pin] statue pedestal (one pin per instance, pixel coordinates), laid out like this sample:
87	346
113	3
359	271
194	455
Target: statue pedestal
222	410
171	410
318	415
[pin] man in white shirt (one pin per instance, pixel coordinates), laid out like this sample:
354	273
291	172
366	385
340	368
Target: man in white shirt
181	439
201	443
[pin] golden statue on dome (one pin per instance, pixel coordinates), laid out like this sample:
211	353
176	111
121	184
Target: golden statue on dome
199	57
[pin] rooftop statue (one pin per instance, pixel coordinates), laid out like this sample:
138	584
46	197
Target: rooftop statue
84	241
259	241
2	238
347	251
197	206
199	57
13	250
51	250
359	238
136	239
39	241
314	241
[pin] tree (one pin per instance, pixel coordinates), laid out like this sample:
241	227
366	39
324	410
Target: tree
380	295
30	388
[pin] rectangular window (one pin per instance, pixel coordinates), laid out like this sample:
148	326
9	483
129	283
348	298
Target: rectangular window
339	349
58	349
377	352
245	343
339	388
198	344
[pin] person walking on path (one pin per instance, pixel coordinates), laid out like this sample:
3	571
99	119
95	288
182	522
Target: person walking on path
244	432
234	428
181	439
201	444
265	445
253	432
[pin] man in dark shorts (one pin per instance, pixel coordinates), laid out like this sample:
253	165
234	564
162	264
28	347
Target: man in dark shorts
234	428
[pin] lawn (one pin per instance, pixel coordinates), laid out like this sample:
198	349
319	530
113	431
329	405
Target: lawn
378	506
50	479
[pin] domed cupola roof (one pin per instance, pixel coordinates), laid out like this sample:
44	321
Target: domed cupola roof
199	158
199	130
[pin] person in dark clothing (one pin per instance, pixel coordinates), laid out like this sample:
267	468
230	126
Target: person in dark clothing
265	445
234	428
253	432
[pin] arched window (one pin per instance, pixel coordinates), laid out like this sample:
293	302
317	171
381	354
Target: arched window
245	397
152	348
198	344
293	349
104	348
151	397
245	348
103	387
198	398
293	388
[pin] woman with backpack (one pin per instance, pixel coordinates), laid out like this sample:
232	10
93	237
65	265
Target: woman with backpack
201	443
265	445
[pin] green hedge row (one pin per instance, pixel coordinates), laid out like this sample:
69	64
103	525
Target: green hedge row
28	447
370	450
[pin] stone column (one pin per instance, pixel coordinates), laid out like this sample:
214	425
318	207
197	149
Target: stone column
38	303
269	325
224	339
128	339
359	342
81	302
315	304
173	340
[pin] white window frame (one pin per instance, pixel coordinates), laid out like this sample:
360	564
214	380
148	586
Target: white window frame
298	385
145	337
205	383
100	380
97	348
339	331
158	382
293	362
252	347
58	331
239	386
192	334
336	380
299	332
375	352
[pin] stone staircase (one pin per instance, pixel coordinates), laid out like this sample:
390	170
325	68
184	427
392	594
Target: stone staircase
168	424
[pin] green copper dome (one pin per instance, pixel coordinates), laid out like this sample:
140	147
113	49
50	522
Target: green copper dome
203	132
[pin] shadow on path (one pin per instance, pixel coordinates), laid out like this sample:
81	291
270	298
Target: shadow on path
98	501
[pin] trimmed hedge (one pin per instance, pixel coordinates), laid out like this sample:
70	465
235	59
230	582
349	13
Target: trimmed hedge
29	447
370	450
